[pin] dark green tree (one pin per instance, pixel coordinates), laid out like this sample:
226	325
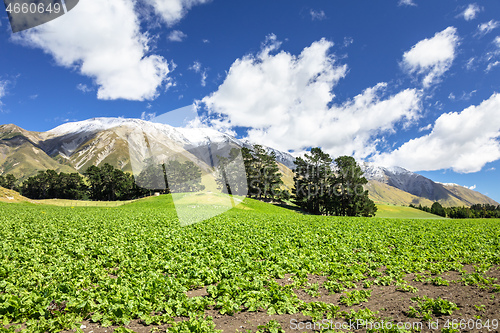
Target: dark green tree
108	183
319	189
153	178
352	199
183	177
313	180
232	178
263	174
8	181
49	184
437	209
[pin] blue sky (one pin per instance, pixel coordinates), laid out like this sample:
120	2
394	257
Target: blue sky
408	83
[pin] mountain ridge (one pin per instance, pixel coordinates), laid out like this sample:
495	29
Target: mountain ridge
74	146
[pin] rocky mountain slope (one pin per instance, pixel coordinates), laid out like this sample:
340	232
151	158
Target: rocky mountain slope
125	143
419	187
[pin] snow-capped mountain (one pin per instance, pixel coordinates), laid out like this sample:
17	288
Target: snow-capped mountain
124	143
420	186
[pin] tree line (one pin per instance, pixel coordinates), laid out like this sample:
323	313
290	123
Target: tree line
8	181
107	183
472	212
322	186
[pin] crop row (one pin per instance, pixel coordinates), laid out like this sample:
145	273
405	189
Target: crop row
59	266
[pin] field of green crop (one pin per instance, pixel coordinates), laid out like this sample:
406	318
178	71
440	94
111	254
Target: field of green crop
60	266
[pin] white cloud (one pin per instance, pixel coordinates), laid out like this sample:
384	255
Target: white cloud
470	63
106	45
425	128
432	57
317	15
473	187
148	115
406	3
176	36
83	88
286	102
463	141
348	41
172	11
487	27
492	65
491	57
3	88
197	68
3	91
470	12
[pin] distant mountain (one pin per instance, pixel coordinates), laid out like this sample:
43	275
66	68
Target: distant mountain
423	190
74	146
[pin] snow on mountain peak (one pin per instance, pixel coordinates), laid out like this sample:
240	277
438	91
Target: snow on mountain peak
94	125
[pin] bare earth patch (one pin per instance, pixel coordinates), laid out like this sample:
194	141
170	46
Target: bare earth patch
475	305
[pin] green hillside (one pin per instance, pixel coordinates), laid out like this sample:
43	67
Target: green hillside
400	212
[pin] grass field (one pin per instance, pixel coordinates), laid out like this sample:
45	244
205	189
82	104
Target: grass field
258	267
399	212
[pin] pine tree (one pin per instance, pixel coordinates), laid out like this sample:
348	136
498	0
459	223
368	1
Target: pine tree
321	190
312	180
352	199
263	175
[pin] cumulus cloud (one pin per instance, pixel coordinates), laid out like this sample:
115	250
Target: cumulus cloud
406	3
102	39
470	12
431	58
317	15
104	44
487	27
463	141
176	36
286	101
172	11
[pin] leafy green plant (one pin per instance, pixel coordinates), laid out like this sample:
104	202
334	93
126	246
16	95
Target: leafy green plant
271	327
427	306
355	297
312	290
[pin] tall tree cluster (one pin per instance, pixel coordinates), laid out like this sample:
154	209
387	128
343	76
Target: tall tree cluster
331	187
474	211
172	176
231	178
8	181
50	184
107	183
263	175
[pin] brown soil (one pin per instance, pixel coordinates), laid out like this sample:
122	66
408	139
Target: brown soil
475	304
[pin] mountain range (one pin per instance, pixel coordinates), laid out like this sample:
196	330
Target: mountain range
74	146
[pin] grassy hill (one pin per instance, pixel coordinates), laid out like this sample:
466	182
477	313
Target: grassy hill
400	212
384	194
12	196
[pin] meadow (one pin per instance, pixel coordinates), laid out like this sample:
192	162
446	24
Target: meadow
257	267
